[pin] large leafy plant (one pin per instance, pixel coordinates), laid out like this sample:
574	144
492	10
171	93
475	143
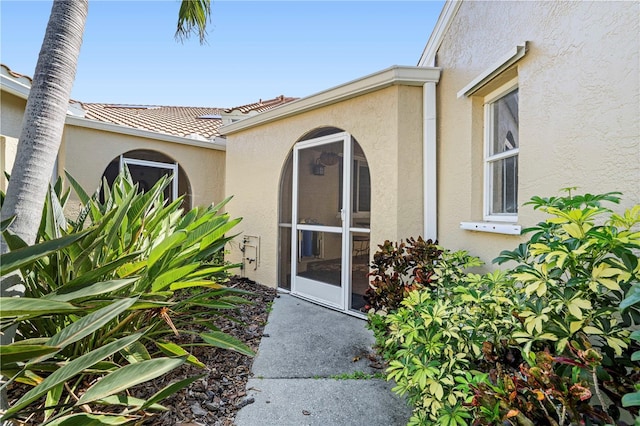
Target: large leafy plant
398	268
431	340
576	269
546	342
133	269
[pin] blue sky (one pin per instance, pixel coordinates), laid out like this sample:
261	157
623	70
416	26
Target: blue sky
255	49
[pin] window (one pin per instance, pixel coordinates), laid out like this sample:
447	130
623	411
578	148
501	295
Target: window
501	154
361	187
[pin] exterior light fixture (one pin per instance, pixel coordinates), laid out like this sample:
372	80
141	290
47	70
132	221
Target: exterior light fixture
318	168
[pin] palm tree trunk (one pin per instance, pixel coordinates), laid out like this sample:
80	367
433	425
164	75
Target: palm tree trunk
42	128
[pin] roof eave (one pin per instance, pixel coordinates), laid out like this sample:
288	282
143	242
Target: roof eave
449	10
14	87
395	75
217	144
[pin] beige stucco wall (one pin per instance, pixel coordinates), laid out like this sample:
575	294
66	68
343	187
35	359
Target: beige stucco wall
8	150
388	126
579	107
12	108
11	117
86	152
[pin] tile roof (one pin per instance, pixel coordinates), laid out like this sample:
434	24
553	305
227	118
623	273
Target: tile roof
261	105
199	123
176	121
190	122
16	75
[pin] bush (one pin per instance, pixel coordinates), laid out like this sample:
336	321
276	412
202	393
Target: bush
105	293
397	269
547	342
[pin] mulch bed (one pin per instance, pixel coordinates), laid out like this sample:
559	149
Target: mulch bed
216	398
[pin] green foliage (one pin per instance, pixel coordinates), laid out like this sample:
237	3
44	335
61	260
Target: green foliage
105	293
357	375
542	343
431	340
632	399
397	269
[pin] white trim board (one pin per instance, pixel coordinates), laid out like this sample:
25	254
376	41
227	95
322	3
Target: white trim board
395	75
494	70
449	11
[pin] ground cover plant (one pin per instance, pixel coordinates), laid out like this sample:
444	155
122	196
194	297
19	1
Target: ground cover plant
549	341
101	302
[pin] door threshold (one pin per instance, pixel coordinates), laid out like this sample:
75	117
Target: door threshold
350	312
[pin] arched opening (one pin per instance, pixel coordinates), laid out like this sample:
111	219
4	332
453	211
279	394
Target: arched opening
147	167
323	246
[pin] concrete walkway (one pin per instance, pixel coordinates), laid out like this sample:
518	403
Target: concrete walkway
294	373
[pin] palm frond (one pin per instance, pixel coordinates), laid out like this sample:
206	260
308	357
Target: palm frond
193	17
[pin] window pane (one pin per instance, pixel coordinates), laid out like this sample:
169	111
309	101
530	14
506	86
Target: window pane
318	200
359	269
320	256
504	179
364	188
504	133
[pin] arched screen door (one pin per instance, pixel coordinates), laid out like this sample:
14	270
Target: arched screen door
326	237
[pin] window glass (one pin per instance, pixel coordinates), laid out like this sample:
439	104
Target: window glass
502	157
504	112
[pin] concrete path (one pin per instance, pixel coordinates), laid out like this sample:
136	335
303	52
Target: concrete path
295	381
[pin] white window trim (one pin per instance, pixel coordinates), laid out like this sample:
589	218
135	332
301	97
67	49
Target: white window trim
508	59
488	159
155	164
493	227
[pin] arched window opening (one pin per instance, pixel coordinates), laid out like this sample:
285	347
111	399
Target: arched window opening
146	168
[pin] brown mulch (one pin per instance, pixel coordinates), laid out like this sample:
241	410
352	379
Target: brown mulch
216	398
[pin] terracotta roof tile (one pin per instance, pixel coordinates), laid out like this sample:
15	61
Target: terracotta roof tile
16	74
176	121
261	105
195	122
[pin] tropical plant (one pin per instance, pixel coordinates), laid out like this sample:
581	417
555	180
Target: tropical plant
431	340
133	267
43	124
548	342
632	399
575	270
37	362
397	269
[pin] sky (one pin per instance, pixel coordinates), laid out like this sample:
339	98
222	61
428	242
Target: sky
254	50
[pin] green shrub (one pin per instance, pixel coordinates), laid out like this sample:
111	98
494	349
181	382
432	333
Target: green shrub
110	297
437	336
397	269
543	343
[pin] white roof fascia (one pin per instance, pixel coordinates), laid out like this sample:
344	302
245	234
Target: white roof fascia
17	88
449	10
14	87
395	75
494	70
217	144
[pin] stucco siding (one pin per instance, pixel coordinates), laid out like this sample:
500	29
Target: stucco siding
256	156
579	107
86	153
12	113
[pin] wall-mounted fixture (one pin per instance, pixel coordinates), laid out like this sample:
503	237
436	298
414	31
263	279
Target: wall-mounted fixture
318	168
325	159
329	158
